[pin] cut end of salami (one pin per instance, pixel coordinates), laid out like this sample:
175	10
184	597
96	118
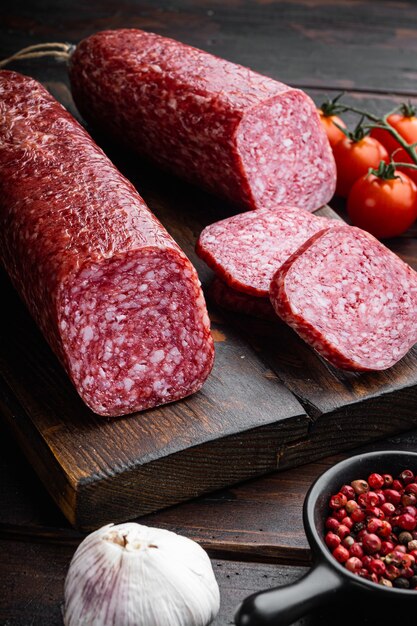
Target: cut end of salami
285	156
132	339
349	297
247	249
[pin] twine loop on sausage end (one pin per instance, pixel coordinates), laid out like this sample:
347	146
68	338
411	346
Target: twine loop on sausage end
60	51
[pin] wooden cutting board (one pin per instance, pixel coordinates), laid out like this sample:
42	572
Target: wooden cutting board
270	402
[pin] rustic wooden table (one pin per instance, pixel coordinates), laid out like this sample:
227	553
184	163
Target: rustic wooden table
254	531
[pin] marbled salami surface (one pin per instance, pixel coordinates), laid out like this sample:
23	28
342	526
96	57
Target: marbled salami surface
247	249
239	134
350	298
116	298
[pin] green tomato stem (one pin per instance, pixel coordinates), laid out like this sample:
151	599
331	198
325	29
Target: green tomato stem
410	165
382	122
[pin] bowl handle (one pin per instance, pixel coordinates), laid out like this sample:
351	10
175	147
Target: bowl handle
284	605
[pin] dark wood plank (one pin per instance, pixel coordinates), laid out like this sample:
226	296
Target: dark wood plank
32	580
307	43
257	520
182	450
114	469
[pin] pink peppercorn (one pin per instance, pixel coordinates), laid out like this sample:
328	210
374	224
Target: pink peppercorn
343	531
353	564
407	521
388	480
376	481
410	510
388	509
372	499
407	572
408	560
408	499
371	543
348	491
360	486
351	505
377	567
392	572
393	496
406	477
341	554
366	560
338	501
348	542
386	547
374	511
332	524
373	525
332	540
385	529
356	550
381	497
340	514
358	515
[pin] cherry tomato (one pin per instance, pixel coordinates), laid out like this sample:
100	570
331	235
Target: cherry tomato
406	126
334	134
385	208
353	160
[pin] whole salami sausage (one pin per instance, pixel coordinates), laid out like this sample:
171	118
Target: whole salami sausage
350	298
237	133
116	298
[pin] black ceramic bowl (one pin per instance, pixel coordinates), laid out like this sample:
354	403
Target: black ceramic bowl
329	582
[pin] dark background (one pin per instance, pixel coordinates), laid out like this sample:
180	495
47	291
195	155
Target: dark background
254	531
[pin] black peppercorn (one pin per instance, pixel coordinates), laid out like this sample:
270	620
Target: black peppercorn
401	583
357	527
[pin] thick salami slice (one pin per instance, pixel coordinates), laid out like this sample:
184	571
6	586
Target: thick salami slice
240	135
247	249
116	298
238	302
349	297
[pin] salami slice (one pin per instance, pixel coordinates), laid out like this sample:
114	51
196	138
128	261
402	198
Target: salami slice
247	249
238	302
240	135
349	297
116	298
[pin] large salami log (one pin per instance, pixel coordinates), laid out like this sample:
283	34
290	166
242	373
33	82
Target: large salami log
247	249
116	298
240	135
350	298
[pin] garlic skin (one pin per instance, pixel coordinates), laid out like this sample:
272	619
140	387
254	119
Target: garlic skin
133	575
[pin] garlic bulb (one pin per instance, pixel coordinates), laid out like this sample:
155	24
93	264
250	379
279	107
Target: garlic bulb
132	575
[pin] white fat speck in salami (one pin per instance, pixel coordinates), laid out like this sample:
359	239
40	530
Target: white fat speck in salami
350	298
247	249
238	302
117	299
241	135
